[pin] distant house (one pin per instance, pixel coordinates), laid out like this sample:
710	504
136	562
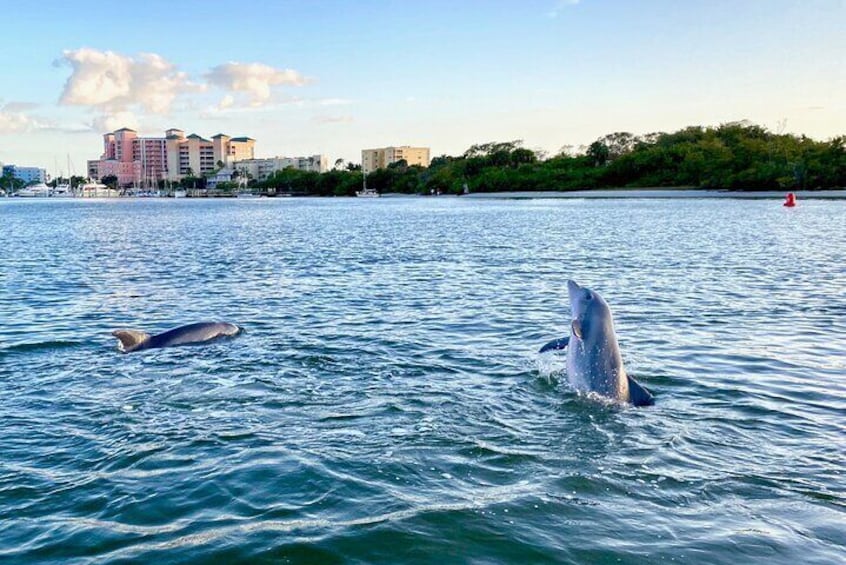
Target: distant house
223	175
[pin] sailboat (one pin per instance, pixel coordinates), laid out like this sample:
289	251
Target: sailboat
366	192
243	190
64	189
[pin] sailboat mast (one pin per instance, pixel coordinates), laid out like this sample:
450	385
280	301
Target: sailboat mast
143	165
70	177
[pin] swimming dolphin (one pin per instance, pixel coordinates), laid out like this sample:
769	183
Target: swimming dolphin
135	340
594	363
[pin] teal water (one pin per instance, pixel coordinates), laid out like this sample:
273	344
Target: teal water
386	403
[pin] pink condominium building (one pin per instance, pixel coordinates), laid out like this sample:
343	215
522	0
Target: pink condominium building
144	161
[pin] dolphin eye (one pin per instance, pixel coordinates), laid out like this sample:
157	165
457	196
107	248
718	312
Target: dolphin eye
588	296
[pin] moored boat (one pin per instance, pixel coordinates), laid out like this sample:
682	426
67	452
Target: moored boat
61	191
38	190
98	190
366	192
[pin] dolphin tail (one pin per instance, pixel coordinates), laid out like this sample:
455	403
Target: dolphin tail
130	340
555	344
639	395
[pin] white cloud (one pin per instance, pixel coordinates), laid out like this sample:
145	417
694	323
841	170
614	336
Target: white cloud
98	78
253	79
19	106
226	102
122	90
561	5
14	120
117	86
228	107
334	102
332	119
114	121
113	82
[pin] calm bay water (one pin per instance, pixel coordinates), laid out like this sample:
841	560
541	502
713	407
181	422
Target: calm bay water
386	402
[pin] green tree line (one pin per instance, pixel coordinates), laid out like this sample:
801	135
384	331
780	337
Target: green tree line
739	156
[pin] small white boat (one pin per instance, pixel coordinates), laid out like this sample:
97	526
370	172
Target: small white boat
247	195
38	190
179	194
366	192
98	190
61	191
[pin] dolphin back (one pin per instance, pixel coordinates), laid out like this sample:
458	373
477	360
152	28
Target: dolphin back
200	332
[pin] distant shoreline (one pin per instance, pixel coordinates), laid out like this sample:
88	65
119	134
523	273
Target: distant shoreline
837	194
594	194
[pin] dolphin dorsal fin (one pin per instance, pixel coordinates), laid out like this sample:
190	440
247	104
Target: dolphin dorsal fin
130	340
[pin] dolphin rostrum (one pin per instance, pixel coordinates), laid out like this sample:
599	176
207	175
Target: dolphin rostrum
201	332
594	363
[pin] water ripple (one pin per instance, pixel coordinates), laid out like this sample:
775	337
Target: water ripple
386	402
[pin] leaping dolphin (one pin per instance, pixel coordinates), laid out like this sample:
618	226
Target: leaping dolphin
594	363
136	340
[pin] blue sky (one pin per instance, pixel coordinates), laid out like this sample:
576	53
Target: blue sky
335	77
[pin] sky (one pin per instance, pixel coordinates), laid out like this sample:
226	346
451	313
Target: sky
332	77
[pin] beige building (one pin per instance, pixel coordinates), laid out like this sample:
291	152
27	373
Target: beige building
230	149
372	159
200	156
186	156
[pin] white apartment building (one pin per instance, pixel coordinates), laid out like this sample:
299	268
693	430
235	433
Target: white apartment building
260	169
26	174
